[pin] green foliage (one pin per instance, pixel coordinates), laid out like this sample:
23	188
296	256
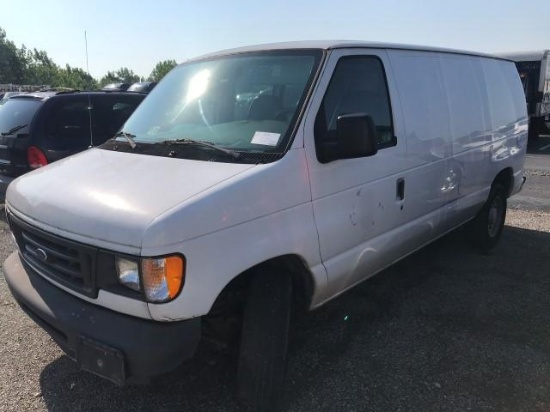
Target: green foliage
122	75
39	68
35	67
161	69
76	78
11	66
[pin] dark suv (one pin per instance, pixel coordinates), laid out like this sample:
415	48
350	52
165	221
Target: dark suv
42	127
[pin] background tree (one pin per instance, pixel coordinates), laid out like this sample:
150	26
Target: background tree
40	69
110	77
11	66
161	69
76	78
22	66
122	75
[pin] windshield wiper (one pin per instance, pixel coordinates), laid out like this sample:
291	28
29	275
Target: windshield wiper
129	137
13	130
230	152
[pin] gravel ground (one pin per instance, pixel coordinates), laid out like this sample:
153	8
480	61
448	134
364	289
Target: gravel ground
446	329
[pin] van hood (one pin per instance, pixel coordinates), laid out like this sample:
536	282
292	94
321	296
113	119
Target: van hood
111	196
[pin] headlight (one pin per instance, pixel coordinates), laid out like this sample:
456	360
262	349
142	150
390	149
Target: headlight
161	278
128	273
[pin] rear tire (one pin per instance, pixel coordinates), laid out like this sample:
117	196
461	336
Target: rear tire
486	228
264	340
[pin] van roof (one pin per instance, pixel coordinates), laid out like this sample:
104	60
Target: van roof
335	44
525	56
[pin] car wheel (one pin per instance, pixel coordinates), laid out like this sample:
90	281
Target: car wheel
264	340
486	228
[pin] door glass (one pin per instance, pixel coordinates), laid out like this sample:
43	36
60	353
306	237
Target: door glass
110	113
358	85
68	126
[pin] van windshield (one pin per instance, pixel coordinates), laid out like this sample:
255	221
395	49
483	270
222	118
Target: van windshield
243	103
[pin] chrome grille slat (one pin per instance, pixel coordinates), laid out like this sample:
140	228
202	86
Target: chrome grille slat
70	263
47	271
75	273
50	250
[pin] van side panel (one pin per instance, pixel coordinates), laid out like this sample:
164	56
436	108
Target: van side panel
463	122
482	104
509	117
430	177
471	134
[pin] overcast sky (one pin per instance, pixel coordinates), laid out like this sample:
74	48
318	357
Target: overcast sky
139	33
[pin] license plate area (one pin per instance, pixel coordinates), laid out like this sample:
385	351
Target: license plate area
101	360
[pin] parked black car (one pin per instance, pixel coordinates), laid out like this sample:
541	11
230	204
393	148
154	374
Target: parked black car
42	127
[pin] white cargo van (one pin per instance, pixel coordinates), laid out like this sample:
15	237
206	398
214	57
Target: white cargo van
254	179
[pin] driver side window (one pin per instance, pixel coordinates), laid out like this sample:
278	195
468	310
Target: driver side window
358	85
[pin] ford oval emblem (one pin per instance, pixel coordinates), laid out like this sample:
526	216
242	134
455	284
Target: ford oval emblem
42	255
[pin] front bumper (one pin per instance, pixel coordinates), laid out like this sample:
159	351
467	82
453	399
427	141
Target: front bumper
118	347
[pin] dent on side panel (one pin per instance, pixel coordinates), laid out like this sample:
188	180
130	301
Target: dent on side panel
381	251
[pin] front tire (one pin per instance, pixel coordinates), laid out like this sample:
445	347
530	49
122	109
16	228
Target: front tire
487	226
264	340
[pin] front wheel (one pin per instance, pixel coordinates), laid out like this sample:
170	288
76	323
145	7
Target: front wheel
264	340
486	228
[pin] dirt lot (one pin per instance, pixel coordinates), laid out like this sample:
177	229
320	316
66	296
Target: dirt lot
447	329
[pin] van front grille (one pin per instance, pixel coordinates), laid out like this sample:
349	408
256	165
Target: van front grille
67	262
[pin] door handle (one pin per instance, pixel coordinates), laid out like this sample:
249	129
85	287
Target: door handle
400	189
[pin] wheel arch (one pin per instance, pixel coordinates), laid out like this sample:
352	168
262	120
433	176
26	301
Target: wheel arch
302	281
506	178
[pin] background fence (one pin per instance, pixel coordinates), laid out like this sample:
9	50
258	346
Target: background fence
21	87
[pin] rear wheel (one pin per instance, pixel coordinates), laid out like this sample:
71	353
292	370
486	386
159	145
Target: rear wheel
486	228
264	340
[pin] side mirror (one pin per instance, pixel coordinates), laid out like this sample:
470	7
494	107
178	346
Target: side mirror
356	137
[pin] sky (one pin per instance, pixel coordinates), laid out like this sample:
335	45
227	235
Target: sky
139	33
